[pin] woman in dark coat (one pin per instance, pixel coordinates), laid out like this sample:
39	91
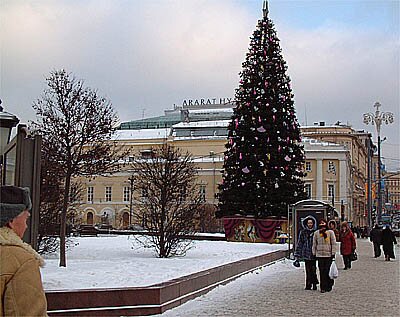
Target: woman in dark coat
388	239
347	245
376	237
304	252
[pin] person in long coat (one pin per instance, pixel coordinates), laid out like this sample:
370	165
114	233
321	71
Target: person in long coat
22	292
333	226
304	252
388	239
347	245
324	248
376	238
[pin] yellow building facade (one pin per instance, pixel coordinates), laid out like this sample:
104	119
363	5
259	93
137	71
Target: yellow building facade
335	172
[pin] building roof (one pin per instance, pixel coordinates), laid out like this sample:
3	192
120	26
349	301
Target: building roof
141	134
152	123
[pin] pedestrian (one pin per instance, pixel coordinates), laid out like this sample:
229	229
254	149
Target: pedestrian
324	248
333	226
347	244
376	238
22	292
388	239
304	252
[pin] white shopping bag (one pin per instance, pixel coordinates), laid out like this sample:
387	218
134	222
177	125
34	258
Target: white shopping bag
333	271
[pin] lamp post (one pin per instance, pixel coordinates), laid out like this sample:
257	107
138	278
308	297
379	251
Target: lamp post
7	122
377	119
131	181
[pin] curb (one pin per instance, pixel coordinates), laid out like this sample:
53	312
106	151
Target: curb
154	299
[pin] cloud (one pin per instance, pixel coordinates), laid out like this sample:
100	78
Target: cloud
152	54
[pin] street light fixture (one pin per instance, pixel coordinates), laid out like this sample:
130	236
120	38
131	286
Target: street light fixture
377	119
7	122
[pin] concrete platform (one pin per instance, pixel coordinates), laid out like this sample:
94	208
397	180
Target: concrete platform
154	299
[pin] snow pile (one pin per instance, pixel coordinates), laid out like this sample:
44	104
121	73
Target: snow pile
120	261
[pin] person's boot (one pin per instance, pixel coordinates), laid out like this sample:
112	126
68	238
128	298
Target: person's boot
314	287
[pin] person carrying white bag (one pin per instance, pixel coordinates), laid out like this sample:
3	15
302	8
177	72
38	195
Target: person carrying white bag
324	248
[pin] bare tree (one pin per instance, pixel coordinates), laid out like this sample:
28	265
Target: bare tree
77	126
170	199
207	220
51	202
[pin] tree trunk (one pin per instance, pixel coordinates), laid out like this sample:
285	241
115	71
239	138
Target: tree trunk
63	221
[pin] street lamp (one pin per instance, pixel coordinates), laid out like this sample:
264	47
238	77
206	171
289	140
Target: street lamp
377	119
7	122
131	181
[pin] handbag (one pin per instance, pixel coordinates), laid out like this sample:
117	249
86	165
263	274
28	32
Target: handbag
333	271
353	256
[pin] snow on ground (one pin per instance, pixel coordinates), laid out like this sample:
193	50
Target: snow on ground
120	261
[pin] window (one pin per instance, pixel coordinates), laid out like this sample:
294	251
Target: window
108	193
127	191
202	193
146	154
307	190
308	166
182	195
331	190
331	167
90	194
145	195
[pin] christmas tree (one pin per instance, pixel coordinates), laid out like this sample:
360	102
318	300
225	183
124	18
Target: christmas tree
263	166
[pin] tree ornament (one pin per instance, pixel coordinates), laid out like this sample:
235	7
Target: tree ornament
276	185
245	170
287	158
261	129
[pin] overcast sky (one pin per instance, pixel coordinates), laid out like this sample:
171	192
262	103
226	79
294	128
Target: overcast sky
145	56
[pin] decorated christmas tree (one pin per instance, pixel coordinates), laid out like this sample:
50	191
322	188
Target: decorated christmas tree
263	166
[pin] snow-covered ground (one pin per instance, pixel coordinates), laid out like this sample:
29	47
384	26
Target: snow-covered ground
120	261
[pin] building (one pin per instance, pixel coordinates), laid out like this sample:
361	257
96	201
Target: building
391	189
335	163
357	143
328	176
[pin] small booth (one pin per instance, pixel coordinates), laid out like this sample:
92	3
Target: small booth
305	209
20	165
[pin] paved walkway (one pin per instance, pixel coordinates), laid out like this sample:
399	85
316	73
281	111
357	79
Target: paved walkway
370	288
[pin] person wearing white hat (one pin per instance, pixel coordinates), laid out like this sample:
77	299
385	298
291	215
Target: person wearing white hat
22	291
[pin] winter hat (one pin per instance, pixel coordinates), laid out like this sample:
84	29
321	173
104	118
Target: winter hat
13	201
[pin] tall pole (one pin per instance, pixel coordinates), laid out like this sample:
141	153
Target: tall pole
379	211
369	189
377	119
131	180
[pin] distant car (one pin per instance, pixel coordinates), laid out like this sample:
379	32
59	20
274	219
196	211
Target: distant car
87	230
136	228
